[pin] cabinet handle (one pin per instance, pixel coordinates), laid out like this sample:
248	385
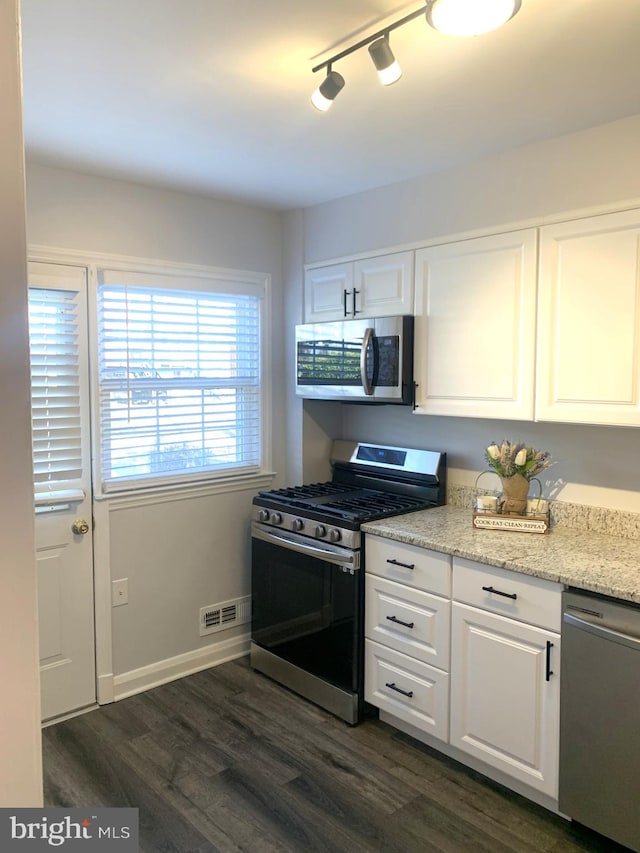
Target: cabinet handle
548	670
392	686
355	292
498	592
400	622
414	405
344	300
402	565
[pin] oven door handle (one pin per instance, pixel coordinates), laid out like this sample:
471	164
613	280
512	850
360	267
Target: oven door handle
339	557
366	343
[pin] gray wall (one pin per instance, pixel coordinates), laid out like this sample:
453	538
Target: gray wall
592	167
191	552
601	166
20	755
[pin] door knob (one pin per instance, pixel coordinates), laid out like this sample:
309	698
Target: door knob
80	526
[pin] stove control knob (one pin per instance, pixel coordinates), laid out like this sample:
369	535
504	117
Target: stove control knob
335	535
297	524
263	515
276	518
321	531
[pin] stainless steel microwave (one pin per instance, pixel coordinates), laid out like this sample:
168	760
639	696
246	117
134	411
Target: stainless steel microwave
364	361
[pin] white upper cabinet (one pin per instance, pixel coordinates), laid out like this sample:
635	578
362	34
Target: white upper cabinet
374	287
475	327
327	292
588	368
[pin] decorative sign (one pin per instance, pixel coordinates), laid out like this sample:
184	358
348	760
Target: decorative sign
515	523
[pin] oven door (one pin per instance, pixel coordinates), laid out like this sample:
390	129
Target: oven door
307	605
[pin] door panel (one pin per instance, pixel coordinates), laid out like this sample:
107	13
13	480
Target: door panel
62	482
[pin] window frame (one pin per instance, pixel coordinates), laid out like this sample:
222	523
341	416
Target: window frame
189	278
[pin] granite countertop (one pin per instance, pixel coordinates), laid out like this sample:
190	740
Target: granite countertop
593	561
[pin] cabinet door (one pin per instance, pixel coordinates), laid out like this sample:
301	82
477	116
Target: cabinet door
327	290
589	321
475	327
384	286
505	691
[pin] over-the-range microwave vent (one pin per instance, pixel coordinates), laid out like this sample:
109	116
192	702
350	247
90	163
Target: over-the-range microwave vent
217	617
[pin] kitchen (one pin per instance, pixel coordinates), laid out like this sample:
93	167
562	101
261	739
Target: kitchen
587	170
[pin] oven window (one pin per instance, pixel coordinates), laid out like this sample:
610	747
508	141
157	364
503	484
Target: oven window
329	362
308	612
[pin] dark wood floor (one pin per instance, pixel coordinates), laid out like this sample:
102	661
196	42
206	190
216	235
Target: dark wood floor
227	760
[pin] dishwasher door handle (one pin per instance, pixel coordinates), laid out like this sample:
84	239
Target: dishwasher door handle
601	631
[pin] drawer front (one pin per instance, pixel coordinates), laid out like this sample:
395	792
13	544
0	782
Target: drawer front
410	621
415	692
517	596
418	567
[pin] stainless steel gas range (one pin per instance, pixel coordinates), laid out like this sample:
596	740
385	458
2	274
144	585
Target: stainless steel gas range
308	567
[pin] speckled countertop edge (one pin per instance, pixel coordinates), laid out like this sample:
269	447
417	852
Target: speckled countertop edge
592	561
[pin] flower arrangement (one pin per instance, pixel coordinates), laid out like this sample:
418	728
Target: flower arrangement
508	459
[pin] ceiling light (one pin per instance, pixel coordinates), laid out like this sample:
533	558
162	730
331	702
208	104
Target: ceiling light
453	17
385	62
470	17
326	92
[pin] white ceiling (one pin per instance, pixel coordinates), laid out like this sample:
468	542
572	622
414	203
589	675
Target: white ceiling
212	96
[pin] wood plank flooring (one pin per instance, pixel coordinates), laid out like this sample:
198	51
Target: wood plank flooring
227	760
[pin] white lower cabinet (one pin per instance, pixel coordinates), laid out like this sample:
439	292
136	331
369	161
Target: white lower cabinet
504	704
505	672
407	688
407	633
481	672
408	620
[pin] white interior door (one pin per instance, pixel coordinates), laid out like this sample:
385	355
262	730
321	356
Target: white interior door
62	480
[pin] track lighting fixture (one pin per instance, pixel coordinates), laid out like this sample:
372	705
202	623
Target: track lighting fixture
453	17
324	95
385	62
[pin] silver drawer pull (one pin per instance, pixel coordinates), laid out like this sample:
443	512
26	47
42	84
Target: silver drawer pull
402	565
400	622
497	592
392	686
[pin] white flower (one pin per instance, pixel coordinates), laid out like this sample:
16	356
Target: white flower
521	457
493	451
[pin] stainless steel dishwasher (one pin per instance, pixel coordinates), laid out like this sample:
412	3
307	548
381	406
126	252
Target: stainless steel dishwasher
600	715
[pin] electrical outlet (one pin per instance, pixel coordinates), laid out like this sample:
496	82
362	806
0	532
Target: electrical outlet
120	592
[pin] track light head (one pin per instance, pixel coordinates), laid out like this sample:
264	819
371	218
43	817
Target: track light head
385	62
470	17
327	91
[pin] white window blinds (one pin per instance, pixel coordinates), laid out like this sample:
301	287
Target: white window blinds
55	389
179	380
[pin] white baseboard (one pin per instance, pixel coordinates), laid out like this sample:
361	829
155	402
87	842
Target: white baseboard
146	677
105	689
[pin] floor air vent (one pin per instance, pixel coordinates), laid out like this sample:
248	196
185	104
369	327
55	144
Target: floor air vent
217	617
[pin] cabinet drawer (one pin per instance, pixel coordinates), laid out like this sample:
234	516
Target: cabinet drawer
517	596
410	621
427	570
410	690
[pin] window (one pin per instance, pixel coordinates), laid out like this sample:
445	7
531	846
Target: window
55	389
179	372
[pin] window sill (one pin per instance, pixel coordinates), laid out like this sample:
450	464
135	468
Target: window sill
172	492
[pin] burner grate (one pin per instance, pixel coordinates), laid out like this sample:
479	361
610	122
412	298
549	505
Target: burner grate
313	490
